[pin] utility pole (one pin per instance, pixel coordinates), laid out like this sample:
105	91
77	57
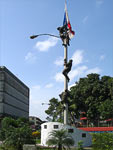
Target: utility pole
64	35
65	83
63	31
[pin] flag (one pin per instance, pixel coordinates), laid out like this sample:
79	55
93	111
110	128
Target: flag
66	22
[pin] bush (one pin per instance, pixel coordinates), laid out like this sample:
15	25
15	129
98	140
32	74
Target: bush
3	147
15	133
80	145
102	141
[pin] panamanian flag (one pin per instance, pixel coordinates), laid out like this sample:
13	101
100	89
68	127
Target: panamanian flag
66	22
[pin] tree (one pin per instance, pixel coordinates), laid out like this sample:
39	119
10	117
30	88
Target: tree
91	94
54	111
60	139
15	133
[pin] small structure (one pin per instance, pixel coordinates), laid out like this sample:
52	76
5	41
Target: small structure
77	134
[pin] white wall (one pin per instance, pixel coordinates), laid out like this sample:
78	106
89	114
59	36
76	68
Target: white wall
77	133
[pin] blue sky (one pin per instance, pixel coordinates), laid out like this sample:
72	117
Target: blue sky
39	62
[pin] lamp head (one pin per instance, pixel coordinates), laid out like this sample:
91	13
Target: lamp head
33	36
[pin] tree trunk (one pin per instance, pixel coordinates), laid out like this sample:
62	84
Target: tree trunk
59	147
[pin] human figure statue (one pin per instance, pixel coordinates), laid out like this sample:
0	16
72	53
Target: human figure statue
67	69
64	96
64	35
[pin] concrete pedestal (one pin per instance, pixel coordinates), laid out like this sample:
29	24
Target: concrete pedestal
29	147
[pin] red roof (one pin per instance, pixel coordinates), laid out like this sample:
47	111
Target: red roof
108	120
83	118
97	129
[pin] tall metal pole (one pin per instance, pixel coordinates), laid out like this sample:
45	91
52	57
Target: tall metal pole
65	83
67	67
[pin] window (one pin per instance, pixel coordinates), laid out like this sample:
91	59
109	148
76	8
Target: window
83	134
70	130
45	126
55	126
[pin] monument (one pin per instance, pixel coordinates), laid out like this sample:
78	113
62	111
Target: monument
66	33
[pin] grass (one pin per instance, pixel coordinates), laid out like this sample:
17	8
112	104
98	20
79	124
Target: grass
49	148
38	141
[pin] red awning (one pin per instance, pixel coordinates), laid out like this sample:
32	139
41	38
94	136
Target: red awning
97	129
83	118
108	120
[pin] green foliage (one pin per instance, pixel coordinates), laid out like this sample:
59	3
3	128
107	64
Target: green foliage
54	111
60	139
4	147
15	133
80	145
103	141
92	95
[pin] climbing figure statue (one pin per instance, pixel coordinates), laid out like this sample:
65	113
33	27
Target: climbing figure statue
67	69
63	34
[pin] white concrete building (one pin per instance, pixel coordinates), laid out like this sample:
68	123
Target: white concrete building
77	134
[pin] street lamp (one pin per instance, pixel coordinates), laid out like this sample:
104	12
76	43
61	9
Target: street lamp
45	104
35	36
64	36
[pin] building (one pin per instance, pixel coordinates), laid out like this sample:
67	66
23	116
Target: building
35	122
77	134
14	95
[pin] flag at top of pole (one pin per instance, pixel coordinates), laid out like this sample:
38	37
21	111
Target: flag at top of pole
66	22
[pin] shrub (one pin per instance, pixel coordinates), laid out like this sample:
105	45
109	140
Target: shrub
80	145
15	133
102	141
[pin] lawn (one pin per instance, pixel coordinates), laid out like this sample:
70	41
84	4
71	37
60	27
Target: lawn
48	148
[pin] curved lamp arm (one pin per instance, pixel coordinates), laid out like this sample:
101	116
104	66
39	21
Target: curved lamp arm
35	36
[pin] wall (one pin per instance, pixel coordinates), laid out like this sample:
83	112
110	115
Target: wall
14	95
77	134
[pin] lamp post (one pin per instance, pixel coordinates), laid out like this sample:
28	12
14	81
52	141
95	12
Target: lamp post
45	104
65	39
35	36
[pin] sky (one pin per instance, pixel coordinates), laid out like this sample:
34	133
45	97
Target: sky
38	63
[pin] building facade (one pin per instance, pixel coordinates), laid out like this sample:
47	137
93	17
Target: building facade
14	95
36	122
77	134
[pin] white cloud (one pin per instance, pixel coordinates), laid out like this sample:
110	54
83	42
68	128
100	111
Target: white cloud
36	100
85	19
77	57
36	87
33	94
99	2
102	57
49	85
59	61
77	72
45	45
59	77
30	57
93	70
70	86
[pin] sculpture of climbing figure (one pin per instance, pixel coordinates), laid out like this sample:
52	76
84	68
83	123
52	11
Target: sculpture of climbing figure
67	69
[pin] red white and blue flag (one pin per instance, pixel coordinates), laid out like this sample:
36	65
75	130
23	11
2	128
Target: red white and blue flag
66	22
